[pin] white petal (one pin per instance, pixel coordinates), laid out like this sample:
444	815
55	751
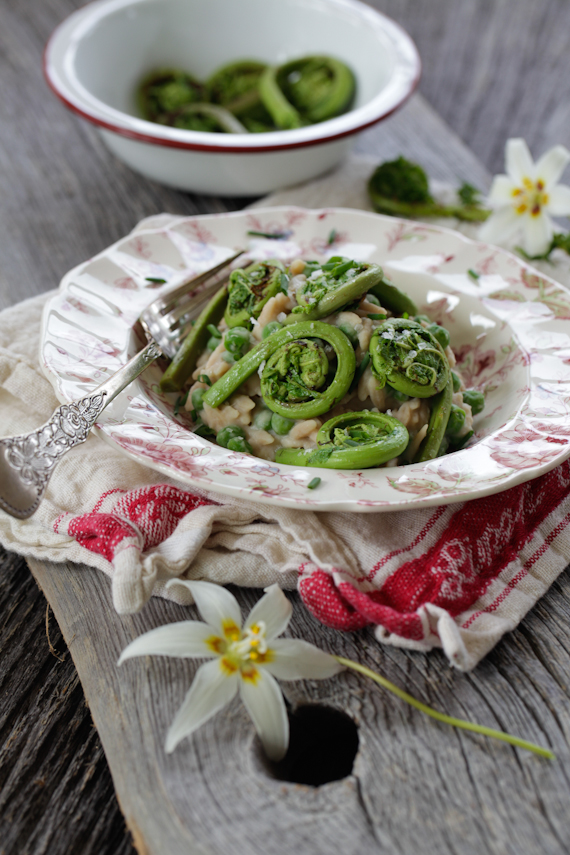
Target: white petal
186	640
299	660
274	609
501	192
537	234
264	702
501	226
518	161
211	690
215	603
559	201
551	165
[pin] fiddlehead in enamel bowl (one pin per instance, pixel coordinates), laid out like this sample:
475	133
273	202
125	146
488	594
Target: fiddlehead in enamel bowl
165	91
409	358
352	441
236	88
250	289
306	91
296	381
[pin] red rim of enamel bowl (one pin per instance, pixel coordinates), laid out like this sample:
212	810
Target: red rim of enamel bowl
227	149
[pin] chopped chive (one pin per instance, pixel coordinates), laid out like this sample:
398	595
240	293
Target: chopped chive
213	330
155	279
333	234
203	378
200	429
405	315
378	317
180	402
284	282
360	371
473	274
314	483
260	487
270	235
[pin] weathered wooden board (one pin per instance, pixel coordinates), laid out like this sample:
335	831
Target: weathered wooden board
414	781
492	69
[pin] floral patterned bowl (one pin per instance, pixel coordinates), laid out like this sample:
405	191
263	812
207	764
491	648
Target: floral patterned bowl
508	323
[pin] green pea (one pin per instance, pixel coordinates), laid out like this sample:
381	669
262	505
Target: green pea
440	334
262	419
456	381
476	400
372	298
212	343
280	424
197	402
236	339
271	327
420	318
456	420
350	333
228	357
238	443
228	433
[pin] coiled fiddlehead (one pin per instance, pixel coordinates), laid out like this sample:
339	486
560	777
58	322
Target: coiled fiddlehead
294	371
250	289
236	88
165	91
409	358
332	285
307	90
352	441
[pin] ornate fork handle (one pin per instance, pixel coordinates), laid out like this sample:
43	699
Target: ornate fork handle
27	461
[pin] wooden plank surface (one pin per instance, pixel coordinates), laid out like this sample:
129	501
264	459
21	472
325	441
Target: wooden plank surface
493	69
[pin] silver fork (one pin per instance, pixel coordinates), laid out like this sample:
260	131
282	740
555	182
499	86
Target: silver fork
27	461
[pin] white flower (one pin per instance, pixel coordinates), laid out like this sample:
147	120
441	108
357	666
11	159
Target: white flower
245	659
526	196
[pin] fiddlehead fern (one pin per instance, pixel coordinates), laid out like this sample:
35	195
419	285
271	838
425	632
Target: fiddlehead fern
329	287
440	404
250	289
352	441
164	91
236	88
294	370
307	90
409	358
207	118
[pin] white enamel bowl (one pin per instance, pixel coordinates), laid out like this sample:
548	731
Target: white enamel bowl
96	57
508	324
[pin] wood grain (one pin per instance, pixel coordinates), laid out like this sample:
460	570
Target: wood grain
492	69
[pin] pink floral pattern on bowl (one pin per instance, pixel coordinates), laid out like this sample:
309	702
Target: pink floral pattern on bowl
508	325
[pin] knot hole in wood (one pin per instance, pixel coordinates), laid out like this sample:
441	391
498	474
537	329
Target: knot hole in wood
322	746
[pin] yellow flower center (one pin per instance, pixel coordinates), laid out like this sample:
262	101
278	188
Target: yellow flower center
530	198
242	651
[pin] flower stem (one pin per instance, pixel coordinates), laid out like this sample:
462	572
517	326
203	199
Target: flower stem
447	719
